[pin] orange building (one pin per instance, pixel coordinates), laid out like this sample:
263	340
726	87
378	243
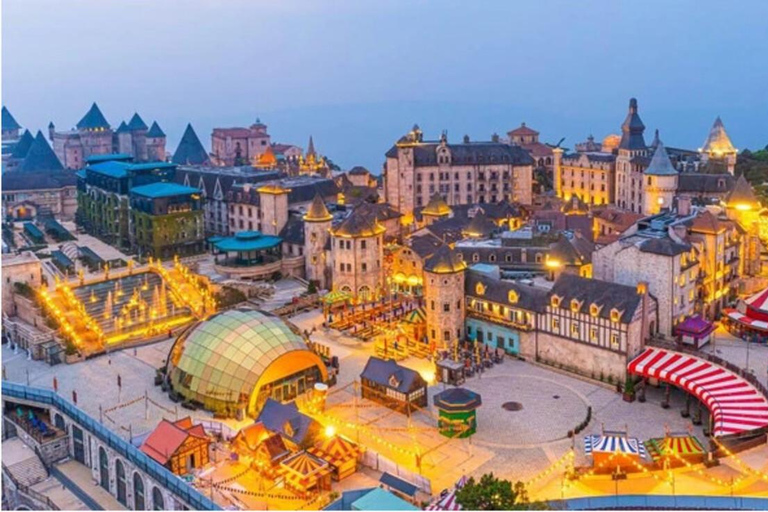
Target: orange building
180	446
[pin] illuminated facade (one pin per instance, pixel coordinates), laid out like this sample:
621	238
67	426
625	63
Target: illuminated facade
317	232
588	175
444	297
239	146
718	147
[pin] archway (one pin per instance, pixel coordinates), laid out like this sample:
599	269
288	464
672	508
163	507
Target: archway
103	469
138	493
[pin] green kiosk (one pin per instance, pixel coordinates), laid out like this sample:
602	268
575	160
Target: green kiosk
458	412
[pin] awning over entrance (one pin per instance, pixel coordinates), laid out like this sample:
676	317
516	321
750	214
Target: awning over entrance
735	404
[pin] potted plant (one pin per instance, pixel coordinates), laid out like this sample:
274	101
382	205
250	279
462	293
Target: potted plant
629	390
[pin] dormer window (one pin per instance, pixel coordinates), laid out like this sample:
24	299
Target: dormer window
513	297
480	289
615	315
393	382
594	309
555	301
575	305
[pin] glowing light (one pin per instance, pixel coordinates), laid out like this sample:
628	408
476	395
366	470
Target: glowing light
330	431
552	264
428	376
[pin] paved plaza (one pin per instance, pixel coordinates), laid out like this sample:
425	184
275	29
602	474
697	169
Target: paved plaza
517	445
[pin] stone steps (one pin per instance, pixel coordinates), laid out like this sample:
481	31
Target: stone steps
29	471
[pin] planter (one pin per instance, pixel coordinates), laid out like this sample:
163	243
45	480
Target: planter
628	397
73	358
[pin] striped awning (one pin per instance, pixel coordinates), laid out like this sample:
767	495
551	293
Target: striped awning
759	301
448	502
335	450
613	444
735	404
745	319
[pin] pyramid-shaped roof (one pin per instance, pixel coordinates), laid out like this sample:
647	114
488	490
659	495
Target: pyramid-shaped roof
660	164
362	222
40	156
123	128
190	150
155	131
632	129
21	148
436	207
311	147
317	211
718	141
444	261
742	194
137	123
93	119
8	121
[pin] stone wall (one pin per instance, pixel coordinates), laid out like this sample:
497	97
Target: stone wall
581	358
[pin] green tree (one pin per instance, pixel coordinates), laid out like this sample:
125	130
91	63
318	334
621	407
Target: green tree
491	493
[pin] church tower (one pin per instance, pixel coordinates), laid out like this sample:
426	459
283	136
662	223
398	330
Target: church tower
317	227
660	182
444	297
629	172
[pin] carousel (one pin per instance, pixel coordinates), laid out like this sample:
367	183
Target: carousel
305	473
614	449
677	448
749	320
341	453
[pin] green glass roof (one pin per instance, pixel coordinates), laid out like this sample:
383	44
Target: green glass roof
224	356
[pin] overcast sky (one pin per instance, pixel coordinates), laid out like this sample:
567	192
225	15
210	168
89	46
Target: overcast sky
358	74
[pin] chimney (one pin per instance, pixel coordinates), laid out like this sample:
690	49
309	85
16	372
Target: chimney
642	290
684	205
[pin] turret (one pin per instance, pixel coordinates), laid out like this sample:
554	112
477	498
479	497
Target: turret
273	201
444	297
317	226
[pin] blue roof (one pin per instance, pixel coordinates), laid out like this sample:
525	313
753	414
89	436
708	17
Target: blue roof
21	148
163	189
137	123
93	119
190	150
93	159
123	128
8	121
245	241
40	156
379	499
381	372
398	484
275	415
113	168
155	131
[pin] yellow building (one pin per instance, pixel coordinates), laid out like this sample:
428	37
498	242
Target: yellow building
589	175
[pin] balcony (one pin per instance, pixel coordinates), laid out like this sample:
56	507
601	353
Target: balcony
499	320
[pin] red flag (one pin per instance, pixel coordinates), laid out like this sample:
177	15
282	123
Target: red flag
74	396
55	384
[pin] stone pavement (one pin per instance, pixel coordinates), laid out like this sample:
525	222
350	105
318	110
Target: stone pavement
80	475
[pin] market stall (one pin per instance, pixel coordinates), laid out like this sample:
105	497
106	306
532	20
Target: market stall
457	412
623	450
341	453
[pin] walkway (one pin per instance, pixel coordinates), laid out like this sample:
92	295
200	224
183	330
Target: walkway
80	475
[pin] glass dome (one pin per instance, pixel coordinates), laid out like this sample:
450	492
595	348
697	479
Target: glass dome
223	362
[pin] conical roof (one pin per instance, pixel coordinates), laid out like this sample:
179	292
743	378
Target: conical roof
444	261
742	194
8	121
190	150
632	129
317	211
155	131
311	147
660	164
362	222
718	141
137	123
479	226
21	148
437	207
40	156
93	119
123	128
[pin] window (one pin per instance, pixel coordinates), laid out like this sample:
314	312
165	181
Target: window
575	329
365	267
446	307
446	335
362	244
513	297
615	315
555	301
556	324
594	309
432	305
593	333
615	341
138	492
575	305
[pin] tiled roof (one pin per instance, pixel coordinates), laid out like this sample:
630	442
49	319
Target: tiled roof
706	222
21	148
155	131
168	437
40	156
358	170
425	154
190	150
522	130
663	246
704	183
16	181
93	119
387	373
8	121
362	222
742	193
123	128
293	231
317	211
632	129
425	245
275	416
436	207
136	123
604	294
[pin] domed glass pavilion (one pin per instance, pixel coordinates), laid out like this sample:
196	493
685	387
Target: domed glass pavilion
232	362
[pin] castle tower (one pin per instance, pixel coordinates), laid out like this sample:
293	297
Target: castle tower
629	174
557	154
273	201
357	250
190	150
742	206
444	297
437	209
124	143
138	129
317	226
155	143
718	147
659	182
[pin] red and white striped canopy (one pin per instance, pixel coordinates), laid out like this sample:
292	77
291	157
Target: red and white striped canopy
735	404
759	301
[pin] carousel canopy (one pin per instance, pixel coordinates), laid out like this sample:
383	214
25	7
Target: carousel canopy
417	316
304	464
336	448
757	306
336	296
735	404
675	445
457	399
245	241
613	444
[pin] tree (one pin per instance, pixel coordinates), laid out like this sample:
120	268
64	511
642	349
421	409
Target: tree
491	493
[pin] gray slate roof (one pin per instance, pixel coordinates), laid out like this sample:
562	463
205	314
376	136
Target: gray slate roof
594	291
660	164
663	246
530	298
190	150
275	416
425	153
701	183
13	181
632	129
40	156
380	371
293	231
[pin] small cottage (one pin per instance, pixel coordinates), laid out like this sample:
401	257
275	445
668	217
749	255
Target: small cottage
393	385
180	446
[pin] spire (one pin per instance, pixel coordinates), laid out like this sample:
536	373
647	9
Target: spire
190	150
656	139
742	197
718	142
311	148
136	123
21	148
660	164
8	121
93	119
317	211
632	129
155	131
40	156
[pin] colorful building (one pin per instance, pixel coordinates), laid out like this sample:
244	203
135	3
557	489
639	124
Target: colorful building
457	410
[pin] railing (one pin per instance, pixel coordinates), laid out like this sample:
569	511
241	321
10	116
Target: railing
651	501
482	315
33	494
189	495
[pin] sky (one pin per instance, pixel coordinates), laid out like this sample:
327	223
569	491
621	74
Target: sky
358	74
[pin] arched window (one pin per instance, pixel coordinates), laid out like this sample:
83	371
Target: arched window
103	469
365	293
138	492
157	499
122	495
58	422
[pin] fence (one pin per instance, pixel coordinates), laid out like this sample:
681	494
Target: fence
380	463
649	501
182	490
28	491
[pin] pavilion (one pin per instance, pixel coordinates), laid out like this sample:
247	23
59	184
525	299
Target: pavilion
695	331
749	320
247	248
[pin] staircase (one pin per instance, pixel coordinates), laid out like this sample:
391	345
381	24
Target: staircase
30	469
